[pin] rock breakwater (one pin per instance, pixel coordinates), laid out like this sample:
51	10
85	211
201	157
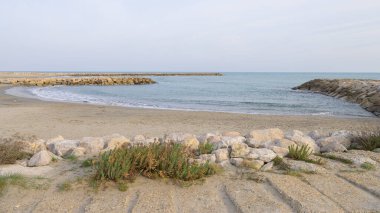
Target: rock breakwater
363	92
76	81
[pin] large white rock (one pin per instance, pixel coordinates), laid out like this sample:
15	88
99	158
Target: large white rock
263	154
221	155
185	139
316	135
211	158
77	152
139	139
284	143
115	141
258	138
61	147
338	139
280	151
300	139
92	145
239	150
236	161
227	141
41	158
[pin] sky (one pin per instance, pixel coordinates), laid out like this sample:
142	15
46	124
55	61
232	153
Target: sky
190	35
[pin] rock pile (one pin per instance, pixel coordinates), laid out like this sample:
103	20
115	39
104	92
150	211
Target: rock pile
363	92
255	150
76	81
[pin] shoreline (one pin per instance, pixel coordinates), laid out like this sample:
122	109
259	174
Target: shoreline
73	120
24	94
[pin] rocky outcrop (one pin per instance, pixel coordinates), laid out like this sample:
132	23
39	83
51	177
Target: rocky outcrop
363	92
76	81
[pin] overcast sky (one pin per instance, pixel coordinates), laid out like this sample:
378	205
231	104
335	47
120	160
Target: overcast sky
190	35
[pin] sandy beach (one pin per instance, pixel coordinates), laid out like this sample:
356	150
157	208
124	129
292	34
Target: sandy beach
48	119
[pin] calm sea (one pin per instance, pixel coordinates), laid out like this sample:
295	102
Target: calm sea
252	93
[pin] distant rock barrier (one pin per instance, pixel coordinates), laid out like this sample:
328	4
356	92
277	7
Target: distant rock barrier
363	92
109	74
76	81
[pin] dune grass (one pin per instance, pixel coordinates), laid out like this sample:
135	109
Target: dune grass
12	149
302	153
156	160
368	140
206	148
23	182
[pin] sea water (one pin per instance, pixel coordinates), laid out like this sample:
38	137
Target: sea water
251	93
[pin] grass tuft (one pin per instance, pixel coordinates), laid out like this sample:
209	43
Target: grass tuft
156	160
367	166
12	150
87	163
336	158
65	186
22	181
369	140
302	153
206	148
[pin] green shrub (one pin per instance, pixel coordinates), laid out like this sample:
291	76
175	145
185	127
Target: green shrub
366	141
14	179
302	153
206	148
156	160
65	186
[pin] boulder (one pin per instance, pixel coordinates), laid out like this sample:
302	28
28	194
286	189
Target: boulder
262	154
284	143
139	139
227	141
339	139
257	138
41	158
221	155
281	152
115	141
300	139
239	150
377	150
208	158
236	161
252	164
150	140
332	144
185	139
316	135
267	167
61	148
92	145
77	152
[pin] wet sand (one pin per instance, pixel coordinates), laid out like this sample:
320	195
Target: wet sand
48	119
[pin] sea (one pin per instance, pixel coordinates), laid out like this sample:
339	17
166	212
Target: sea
234	92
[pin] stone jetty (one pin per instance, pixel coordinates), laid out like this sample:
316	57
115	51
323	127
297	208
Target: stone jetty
76	81
363	92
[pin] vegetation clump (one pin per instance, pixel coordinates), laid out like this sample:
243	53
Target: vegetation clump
12	149
369	140
21	181
302	153
206	148
156	160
